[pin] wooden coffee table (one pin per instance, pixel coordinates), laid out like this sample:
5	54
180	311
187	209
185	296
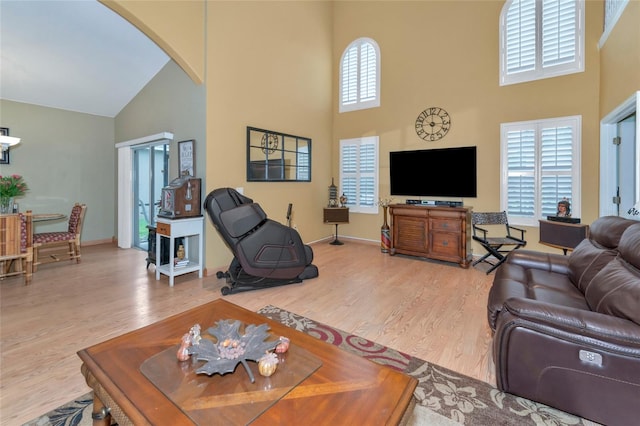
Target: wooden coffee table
345	389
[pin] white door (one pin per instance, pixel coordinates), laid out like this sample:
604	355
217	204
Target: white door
628	167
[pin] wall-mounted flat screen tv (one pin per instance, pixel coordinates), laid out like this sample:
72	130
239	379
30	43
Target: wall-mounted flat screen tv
448	172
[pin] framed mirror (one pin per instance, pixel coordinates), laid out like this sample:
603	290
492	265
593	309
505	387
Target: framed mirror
277	157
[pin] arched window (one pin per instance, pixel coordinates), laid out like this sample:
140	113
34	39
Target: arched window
360	76
540	39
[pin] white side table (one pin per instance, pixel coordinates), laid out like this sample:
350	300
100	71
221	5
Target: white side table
192	230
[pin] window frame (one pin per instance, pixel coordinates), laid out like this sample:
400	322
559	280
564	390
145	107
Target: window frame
358	103
575	122
354	202
541	72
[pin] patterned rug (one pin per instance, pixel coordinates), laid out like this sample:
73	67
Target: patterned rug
442	397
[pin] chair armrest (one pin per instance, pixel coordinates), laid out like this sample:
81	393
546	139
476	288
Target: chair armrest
522	231
484	231
529	259
588	328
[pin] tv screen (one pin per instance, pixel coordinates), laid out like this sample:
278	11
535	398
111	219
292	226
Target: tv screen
448	172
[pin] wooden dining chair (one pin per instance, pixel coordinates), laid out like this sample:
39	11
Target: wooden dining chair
51	247
16	245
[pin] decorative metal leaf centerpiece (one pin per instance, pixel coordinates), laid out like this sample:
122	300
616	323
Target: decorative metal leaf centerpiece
232	347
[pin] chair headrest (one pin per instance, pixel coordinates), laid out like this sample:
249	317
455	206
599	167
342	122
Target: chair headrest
226	199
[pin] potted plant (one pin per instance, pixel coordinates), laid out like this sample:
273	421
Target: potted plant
10	187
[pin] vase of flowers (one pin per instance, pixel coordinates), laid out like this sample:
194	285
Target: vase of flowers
10	187
385	232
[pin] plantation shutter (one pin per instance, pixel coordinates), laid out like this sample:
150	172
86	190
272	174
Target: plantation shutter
521	163
559	25
556	159
368	73
359	173
350	76
521	36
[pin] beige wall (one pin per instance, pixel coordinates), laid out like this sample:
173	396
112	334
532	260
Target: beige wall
620	60
283	76
269	66
65	157
170	102
177	26
445	54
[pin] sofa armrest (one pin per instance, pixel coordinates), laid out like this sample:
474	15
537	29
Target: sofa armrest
578	361
588	327
530	259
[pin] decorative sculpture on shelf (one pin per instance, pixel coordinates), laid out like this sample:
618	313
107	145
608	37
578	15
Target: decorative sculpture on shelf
564	208
333	195
343	200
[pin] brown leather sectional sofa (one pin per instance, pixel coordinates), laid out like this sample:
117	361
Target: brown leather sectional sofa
567	328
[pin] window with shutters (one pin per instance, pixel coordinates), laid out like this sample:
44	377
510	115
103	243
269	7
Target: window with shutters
540	165
359	173
540	39
360	76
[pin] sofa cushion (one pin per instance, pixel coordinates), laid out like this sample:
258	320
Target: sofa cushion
615	290
532	275
595	252
586	261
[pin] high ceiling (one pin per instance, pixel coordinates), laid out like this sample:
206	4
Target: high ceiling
73	55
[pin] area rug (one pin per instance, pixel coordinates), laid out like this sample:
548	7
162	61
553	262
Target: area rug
442	397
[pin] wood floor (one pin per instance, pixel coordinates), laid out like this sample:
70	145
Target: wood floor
434	311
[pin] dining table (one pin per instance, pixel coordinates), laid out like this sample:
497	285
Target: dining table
44	217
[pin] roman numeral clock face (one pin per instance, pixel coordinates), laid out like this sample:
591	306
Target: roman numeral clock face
433	124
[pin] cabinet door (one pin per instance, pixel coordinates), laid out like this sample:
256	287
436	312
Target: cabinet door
410	233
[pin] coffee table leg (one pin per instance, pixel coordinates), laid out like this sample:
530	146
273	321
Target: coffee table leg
101	415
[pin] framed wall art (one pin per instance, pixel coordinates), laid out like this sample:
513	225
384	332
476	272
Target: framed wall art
277	157
4	155
187	157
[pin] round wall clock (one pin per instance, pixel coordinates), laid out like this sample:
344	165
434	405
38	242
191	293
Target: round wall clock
433	124
269	142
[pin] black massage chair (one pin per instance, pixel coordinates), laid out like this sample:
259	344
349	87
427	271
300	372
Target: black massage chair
266	253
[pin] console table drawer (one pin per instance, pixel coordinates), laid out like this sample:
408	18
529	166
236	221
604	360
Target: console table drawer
445	244
448	225
163	228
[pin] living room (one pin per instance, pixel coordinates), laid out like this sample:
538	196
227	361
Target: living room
285	78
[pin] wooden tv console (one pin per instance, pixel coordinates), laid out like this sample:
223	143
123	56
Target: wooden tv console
434	232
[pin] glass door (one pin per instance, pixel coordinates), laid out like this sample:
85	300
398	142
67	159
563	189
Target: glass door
150	175
628	167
